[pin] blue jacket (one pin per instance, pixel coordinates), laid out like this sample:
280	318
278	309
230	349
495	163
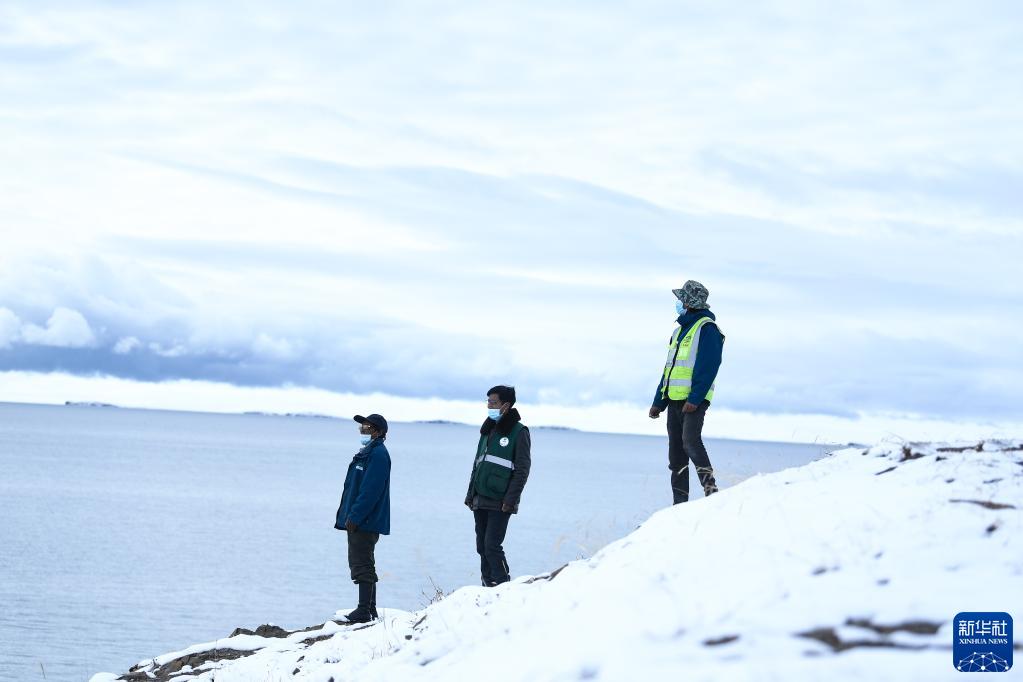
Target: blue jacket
366	499
708	358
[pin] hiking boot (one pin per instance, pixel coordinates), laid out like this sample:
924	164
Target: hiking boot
365	612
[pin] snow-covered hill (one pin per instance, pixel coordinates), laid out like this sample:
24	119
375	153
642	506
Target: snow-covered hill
851	567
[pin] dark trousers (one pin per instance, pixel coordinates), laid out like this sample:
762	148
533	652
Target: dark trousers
360	556
685	442
491	525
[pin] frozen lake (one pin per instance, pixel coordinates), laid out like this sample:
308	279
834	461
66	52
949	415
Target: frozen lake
129	533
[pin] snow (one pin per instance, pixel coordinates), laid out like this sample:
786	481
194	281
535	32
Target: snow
862	540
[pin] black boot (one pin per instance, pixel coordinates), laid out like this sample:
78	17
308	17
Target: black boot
364	613
373	602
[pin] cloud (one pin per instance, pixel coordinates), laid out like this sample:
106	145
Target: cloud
10	328
65	329
596	336
272	348
981	197
429	201
126	345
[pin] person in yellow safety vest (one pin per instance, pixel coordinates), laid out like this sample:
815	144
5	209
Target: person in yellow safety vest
687	387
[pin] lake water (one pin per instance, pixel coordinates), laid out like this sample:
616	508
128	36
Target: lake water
129	533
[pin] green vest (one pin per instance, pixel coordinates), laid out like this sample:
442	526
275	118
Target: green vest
678	370
495	461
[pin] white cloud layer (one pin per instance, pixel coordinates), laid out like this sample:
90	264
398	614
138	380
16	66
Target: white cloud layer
126	345
64	329
10	328
619	417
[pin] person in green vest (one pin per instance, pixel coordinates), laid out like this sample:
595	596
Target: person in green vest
687	386
499	474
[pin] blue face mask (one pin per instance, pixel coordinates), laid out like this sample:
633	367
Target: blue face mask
680	308
365	438
494	413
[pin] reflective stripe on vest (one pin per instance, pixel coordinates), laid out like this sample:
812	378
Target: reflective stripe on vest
497	460
678	369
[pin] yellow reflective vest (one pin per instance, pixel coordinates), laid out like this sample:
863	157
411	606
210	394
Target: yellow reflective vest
678	369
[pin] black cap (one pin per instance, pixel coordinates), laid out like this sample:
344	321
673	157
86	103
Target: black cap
374	419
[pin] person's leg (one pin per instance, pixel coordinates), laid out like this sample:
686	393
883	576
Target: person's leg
371	575
353	563
481	517
677	460
353	554
692	440
361	558
362	564
497	527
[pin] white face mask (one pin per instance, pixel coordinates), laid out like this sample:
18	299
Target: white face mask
365	438
680	308
494	413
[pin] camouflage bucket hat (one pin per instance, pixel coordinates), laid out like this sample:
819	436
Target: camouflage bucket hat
693	295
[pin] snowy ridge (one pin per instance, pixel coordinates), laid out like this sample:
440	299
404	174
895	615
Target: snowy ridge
851	567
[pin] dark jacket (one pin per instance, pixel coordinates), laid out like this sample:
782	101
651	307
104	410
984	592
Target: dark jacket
708	358
522	462
367	495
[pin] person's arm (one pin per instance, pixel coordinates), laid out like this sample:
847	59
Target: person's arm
468	493
523	460
660	398
708	360
374	482
660	402
472	475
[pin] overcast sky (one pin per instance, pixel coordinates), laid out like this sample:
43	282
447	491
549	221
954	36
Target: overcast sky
419	200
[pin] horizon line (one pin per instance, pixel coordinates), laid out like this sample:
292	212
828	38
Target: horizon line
100	405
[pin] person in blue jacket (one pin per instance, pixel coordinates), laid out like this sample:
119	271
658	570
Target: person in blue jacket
365	511
687	387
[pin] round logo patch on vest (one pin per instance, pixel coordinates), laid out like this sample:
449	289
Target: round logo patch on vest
504	442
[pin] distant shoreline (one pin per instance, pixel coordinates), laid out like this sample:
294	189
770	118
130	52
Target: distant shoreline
86	404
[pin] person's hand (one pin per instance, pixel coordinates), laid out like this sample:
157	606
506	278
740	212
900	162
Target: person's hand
655	412
468	502
689	407
350	526
506	508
